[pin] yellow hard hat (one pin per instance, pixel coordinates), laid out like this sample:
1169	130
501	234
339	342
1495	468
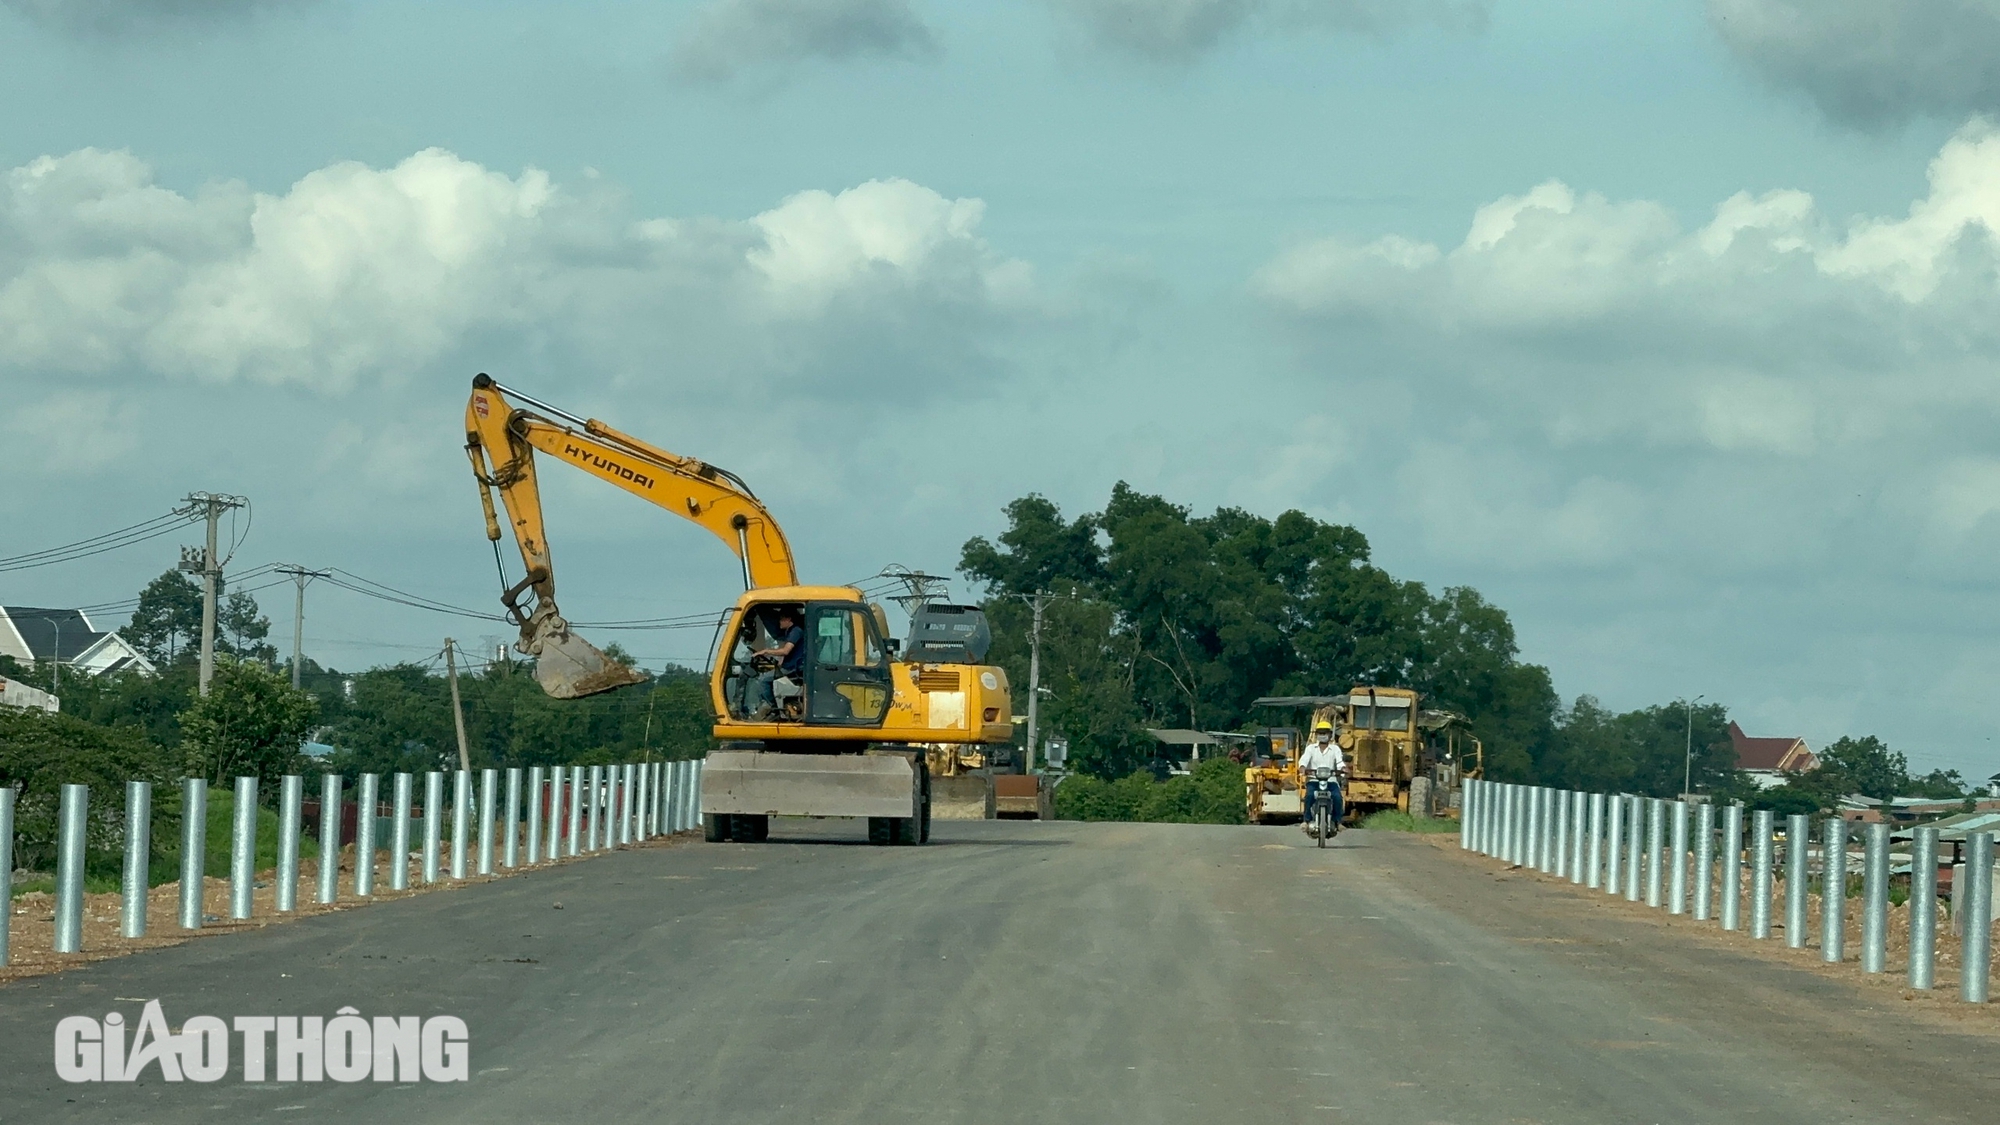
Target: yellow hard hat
1323	725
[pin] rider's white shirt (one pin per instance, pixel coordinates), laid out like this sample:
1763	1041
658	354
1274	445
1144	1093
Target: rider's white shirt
1316	756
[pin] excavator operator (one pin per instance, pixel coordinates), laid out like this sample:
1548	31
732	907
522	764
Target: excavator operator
788	649
1323	750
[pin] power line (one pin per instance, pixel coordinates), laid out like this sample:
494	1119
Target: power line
154	528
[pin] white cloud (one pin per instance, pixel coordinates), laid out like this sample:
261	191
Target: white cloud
1722	381
1871	62
729	37
1179	31
359	274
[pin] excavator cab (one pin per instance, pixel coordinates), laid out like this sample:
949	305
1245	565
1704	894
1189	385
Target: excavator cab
844	679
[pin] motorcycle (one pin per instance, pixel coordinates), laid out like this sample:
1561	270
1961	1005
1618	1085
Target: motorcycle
1322	791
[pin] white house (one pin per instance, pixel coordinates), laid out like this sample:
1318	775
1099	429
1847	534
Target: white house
14	693
68	637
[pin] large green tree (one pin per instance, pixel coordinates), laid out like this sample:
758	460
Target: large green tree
1174	619
250	724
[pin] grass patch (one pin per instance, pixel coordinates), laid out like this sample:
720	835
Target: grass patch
1396	820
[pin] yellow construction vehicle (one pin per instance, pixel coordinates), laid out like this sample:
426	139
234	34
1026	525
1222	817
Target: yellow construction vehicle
1271	779
1399	756
842	734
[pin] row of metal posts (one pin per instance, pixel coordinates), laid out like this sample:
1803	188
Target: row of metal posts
631	802
1641	847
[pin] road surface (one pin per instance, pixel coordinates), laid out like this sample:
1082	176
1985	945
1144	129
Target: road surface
1023	972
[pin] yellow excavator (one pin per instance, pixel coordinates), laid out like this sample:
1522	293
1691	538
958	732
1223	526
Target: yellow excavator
841	732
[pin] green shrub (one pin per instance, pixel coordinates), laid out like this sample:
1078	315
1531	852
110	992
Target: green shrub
1211	794
1396	820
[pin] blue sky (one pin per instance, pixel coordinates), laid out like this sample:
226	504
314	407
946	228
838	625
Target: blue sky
1476	277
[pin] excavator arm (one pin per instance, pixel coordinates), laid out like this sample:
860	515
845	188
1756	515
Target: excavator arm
501	440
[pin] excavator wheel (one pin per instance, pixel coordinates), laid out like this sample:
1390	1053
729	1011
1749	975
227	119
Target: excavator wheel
908	830
881	830
715	828
750	829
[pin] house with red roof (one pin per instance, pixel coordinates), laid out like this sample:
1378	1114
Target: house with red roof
1770	761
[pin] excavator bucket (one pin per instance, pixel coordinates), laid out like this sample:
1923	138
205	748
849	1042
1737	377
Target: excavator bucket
569	667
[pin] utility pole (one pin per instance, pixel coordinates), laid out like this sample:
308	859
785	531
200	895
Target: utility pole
301	576
209	567
921	589
457	712
1036	601
1687	773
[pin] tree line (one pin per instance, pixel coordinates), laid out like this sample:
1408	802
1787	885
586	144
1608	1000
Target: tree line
1165	618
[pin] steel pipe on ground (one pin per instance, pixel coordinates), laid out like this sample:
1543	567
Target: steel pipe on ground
1635	846
1923	907
329	837
461	823
1704	860
194	850
243	848
1975	957
291	798
366	803
489	796
72	820
1833	889
575	841
399	834
433	847
1730	885
6	867
537	794
1656	842
1677	865
1593	858
1762	849
1614	845
1875	900
510	850
138	872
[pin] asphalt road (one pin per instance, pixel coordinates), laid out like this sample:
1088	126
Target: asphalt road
1034	973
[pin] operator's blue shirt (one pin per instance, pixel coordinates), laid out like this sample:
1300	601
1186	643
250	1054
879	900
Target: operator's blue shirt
795	660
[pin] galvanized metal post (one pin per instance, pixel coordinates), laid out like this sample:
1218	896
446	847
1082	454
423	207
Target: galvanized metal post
399	834
1762	857
1875	900
1635	846
1614	845
1923	907
73	819
1579	814
1593	856
1730	885
1833	889
537	794
623	816
366	804
329	838
1677	866
640	821
138	861
1503	821
1560	832
6	868
243	848
695	770
1528	827
575	841
1798	872
1656	842
461	822
489	798
594	796
1704	859
194	850
1519	835
433	846
510	851
1546	843
1468	814
554	812
1975	951
291	801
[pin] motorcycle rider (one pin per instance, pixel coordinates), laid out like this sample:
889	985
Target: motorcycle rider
1323	750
